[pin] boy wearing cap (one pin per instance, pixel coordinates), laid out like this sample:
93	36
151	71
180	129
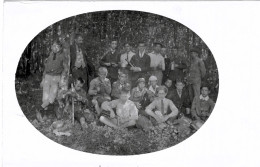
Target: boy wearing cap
126	112
55	67
157	63
110	60
202	105
152	87
100	89
197	71
162	109
139	94
120	84
141	64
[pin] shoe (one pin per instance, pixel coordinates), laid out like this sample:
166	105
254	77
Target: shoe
39	116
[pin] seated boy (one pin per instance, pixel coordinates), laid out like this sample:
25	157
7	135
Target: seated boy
100	89
120	84
202	105
139	94
152	87
81	113
180	97
126	111
168	85
160	107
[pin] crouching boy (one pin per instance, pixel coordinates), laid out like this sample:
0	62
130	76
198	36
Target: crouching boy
202	105
162	109
81	112
126	111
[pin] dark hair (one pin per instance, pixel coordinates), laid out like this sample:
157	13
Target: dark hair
179	80
78	35
125	90
157	43
161	88
128	43
58	42
81	80
205	86
141	42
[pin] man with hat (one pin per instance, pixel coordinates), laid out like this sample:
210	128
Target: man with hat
80	65
157	62
139	94
197	71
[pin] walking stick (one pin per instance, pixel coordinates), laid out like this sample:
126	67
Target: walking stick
72	108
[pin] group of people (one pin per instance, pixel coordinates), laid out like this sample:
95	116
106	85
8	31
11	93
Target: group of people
128	86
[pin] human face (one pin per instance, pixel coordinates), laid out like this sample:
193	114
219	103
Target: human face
79	40
194	55
127	48
157	49
102	75
204	91
141	47
122	78
161	94
153	83
124	97
179	85
168	83
113	45
55	48
141	85
163	51
78	85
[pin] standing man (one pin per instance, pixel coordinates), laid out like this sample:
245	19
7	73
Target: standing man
141	64
125	59
197	71
167	61
80	65
157	62
177	66
111	61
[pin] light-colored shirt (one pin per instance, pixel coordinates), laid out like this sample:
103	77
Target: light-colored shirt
153	90
79	58
163	104
103	89
126	56
157	60
125	111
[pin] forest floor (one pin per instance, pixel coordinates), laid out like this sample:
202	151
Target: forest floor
96	138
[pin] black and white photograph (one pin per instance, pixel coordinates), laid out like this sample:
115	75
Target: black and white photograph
117	82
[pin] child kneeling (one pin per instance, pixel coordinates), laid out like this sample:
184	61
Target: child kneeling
82	114
126	111
160	107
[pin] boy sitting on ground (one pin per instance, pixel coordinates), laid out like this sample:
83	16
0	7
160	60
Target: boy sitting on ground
139	94
162	109
180	97
168	85
120	84
126	111
202	105
82	114
100	89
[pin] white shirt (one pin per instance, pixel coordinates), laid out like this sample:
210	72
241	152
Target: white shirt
152	89
126	56
157	60
204	98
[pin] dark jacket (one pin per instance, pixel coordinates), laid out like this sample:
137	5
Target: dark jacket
143	63
110	57
180	102
90	67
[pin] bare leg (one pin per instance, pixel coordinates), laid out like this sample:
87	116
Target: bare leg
97	108
83	123
129	123
108	122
